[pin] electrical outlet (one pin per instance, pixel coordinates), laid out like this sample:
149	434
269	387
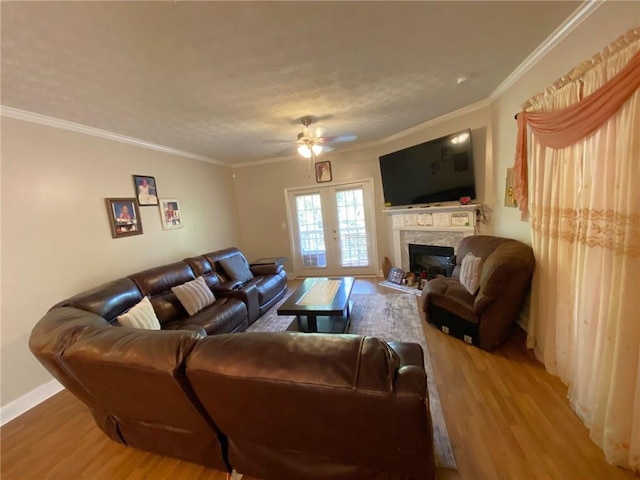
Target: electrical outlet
445	329
468	339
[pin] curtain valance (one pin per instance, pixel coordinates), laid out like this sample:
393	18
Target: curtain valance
565	127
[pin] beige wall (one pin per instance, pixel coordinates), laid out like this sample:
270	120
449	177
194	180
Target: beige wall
609	21
260	188
56	239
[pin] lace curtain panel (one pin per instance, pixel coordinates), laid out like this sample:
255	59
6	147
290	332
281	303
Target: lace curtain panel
584	207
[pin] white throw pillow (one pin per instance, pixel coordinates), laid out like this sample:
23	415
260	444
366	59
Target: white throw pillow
470	270
194	295
141	315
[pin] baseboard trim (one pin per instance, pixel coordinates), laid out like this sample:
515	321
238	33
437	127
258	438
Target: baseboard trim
26	402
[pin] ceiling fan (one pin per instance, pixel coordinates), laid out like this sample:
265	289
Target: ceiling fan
310	144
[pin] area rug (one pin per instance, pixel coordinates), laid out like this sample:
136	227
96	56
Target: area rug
392	317
402	288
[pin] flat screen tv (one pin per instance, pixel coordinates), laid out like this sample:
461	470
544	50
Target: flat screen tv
440	170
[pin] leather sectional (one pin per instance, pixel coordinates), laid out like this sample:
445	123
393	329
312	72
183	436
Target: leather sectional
271	405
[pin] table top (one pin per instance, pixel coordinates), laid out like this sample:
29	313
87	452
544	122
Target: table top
336	307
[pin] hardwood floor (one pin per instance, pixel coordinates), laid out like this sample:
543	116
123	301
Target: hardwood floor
507	419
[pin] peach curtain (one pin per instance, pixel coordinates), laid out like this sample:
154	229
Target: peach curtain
564	127
584	320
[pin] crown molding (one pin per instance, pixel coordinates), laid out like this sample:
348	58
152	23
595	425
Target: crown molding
429	123
574	20
435	121
18	114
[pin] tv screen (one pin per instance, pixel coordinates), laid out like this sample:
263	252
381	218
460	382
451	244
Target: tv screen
440	170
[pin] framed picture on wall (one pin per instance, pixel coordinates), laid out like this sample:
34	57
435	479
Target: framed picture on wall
170	214
124	217
146	190
323	172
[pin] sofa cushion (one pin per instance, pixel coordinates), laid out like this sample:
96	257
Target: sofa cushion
235	266
268	287
226	315
448	293
194	295
141	315
470	271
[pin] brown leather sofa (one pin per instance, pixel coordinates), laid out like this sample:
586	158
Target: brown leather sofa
486	318
235	308
268	285
313	406
273	405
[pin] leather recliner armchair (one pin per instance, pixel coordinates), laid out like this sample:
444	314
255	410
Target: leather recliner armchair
484	319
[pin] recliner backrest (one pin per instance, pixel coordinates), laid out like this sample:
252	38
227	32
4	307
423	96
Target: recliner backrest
137	376
202	267
156	283
108	300
294	396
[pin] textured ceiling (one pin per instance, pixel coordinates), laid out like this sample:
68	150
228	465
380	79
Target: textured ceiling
229	80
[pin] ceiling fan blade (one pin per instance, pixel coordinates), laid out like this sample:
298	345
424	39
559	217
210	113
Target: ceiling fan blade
273	141
340	138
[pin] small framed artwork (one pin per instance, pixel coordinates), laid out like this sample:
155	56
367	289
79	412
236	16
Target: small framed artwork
146	190
170	213
124	217
395	276
323	172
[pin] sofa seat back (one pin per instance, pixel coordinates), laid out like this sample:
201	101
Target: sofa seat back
108	300
305	406
156	283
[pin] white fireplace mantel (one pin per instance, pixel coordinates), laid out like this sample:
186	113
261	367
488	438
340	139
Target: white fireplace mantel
443	225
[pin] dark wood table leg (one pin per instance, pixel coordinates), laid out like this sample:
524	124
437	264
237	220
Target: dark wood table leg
312	325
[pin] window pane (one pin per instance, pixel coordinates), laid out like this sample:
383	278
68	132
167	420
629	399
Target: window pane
309	214
352	230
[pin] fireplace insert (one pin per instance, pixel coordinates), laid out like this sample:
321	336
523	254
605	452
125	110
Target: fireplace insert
431	259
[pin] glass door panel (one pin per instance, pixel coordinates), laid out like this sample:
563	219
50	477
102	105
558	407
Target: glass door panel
332	230
311	230
352	228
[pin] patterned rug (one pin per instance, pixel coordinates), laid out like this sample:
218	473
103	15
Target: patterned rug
391	317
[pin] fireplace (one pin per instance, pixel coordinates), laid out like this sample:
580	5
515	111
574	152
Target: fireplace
431	258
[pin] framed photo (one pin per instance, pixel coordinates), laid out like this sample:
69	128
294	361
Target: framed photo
146	190
395	276
323	172
124	217
170	214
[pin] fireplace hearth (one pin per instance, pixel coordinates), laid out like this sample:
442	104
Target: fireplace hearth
432	259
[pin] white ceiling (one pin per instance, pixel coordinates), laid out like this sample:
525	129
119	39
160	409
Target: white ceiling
230	80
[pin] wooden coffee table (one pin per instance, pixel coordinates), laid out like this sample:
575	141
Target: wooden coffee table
317	308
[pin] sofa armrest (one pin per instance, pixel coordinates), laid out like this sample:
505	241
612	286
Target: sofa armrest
247	294
269	269
411	380
226	286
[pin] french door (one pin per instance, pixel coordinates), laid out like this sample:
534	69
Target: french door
333	230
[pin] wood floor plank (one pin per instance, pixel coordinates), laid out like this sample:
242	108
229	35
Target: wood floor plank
507	419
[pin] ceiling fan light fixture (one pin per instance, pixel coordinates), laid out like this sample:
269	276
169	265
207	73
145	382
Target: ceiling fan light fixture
306	150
